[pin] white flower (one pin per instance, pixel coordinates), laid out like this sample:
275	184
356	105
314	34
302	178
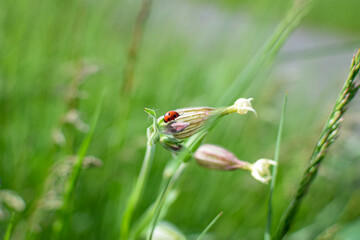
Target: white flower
243	105
260	170
167	231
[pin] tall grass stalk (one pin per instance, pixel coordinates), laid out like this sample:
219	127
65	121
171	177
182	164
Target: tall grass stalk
202	235
258	65
327	137
126	95
129	72
72	180
274	172
133	51
265	56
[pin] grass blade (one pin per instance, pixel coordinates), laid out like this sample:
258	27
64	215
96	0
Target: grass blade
9	228
266	55
69	187
72	180
274	172
202	235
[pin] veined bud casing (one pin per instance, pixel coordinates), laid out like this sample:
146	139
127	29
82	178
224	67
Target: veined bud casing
215	157
189	122
192	120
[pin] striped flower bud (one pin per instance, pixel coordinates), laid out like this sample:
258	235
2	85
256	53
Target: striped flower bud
215	157
189	121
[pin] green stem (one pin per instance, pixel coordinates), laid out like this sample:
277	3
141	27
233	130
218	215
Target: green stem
137	190
175	169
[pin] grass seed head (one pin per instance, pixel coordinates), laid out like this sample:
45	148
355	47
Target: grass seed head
12	200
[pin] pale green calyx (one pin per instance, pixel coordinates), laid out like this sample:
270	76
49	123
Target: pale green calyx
152	133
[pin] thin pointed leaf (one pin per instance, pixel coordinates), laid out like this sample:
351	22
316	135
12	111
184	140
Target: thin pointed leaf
202	235
274	172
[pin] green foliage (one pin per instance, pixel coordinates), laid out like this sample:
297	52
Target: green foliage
183	61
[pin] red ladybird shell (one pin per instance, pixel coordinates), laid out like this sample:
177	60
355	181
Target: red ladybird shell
171	115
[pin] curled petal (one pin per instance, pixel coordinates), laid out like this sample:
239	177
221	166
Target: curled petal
260	170
243	105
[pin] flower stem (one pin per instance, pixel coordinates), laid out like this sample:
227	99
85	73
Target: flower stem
137	190
172	173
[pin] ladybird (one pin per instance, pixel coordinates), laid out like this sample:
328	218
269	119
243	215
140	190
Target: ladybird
171	115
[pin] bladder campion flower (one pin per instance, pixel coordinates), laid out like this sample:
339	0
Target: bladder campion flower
216	157
192	120
260	170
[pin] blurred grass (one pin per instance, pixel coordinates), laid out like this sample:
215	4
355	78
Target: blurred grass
185	60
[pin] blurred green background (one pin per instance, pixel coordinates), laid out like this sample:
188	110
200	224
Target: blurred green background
190	53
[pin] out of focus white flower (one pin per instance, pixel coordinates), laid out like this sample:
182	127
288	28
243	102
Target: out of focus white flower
167	231
12	200
242	106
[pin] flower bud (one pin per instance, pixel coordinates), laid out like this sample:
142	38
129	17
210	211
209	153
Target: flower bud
192	120
215	157
189	121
